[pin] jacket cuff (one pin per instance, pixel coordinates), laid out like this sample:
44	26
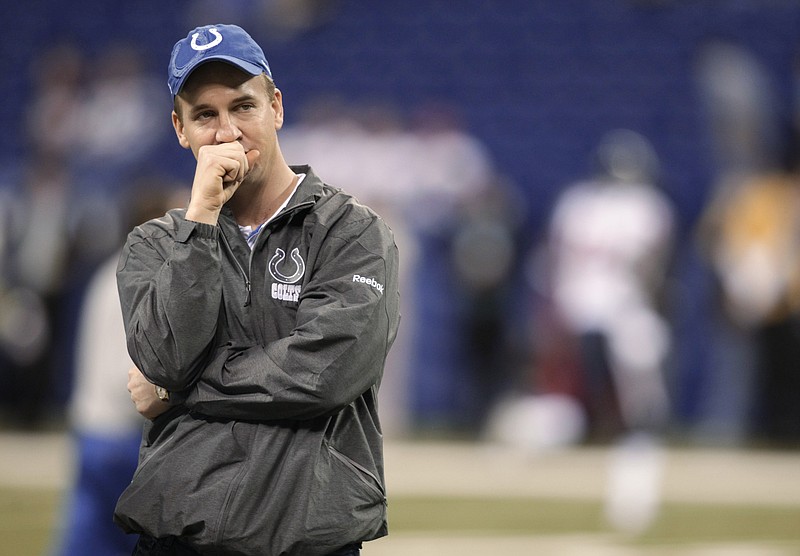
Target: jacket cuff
200	230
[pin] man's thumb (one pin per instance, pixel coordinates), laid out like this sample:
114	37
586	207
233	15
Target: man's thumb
252	156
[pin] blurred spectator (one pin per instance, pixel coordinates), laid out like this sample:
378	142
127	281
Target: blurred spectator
749	238
742	108
485	248
118	126
105	426
57	229
53	240
611	239
754	246
34	246
35	268
100	122
459	208
53	116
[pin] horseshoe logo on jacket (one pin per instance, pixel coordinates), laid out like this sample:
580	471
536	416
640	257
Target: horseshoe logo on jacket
278	257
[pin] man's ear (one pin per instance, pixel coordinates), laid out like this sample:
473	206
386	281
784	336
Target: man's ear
277	107
178	125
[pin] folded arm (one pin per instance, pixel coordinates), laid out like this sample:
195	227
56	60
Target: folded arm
337	350
170	299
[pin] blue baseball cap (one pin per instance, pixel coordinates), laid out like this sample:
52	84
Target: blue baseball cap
224	43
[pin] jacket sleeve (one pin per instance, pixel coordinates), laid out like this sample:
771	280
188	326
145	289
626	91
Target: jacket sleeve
337	350
170	292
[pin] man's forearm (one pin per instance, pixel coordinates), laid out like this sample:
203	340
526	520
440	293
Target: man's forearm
171	308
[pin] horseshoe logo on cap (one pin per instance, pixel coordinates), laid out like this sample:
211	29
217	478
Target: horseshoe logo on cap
215	42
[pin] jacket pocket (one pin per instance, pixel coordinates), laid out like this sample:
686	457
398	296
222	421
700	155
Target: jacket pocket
347	502
183	481
363	474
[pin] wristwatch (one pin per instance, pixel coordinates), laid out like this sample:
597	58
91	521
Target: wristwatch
162	393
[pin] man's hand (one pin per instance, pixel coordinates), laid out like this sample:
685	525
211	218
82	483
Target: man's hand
219	173
143	394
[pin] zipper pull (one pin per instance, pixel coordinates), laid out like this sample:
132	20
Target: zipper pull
247	286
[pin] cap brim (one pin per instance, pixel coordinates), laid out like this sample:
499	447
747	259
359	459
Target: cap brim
247	67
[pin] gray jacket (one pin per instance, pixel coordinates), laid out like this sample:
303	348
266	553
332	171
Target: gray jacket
276	356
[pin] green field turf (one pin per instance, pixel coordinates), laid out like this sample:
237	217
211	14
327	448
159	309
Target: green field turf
678	523
28	518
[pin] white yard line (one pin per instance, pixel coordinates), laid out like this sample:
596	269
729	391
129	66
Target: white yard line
41	460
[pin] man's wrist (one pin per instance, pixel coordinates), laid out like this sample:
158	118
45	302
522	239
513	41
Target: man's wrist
202	215
162	393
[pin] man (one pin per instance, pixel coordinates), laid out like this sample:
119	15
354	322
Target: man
260	317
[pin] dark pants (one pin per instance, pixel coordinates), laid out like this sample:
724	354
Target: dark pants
148	546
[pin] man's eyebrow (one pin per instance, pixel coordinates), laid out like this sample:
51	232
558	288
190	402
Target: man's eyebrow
199	108
203	107
243	98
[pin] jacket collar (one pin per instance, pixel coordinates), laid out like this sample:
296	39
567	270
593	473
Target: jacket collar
310	191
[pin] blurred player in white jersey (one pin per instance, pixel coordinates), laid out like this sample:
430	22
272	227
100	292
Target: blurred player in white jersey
611	238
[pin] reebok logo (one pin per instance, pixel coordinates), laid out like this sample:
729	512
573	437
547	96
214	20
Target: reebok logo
369	281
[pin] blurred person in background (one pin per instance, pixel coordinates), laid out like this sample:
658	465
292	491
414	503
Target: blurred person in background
37	243
485	256
36	270
105	426
119	125
56	232
749	235
53	118
610	244
454	194
753	241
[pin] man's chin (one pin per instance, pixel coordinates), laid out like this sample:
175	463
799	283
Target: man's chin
252	178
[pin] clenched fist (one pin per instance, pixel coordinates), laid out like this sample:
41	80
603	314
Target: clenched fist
220	171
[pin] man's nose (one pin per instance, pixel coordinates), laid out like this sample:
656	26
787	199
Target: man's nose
227	132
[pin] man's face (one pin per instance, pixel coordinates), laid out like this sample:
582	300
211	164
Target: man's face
221	104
